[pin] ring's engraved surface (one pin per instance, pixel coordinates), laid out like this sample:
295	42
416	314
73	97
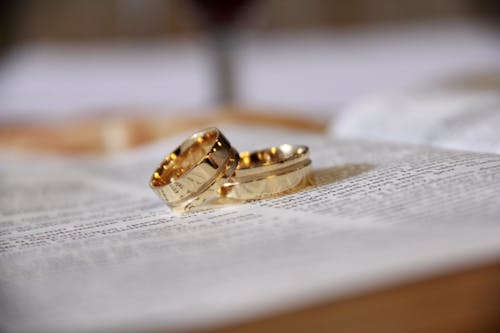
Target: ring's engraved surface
192	174
269	172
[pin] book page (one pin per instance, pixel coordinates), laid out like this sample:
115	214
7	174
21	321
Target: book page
85	245
463	120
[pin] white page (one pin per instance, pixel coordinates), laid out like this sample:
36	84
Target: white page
464	120
83	251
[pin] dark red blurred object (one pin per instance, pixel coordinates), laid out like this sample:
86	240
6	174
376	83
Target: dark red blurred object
221	16
222	12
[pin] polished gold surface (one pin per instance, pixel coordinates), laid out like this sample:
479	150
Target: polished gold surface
192	175
269	172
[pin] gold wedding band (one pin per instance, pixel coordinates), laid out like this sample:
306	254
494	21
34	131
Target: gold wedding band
193	174
269	172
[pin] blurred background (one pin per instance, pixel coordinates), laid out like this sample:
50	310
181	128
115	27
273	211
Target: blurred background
76	59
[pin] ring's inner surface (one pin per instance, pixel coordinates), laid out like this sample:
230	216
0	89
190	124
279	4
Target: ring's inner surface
185	157
269	156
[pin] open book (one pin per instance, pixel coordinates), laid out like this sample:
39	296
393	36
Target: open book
85	245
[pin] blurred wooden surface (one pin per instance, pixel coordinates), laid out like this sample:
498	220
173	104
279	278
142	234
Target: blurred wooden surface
117	134
462	301
114	19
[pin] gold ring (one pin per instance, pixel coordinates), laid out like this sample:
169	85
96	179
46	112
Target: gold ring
269	172
192	174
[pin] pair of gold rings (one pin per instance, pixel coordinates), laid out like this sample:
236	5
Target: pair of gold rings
205	168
